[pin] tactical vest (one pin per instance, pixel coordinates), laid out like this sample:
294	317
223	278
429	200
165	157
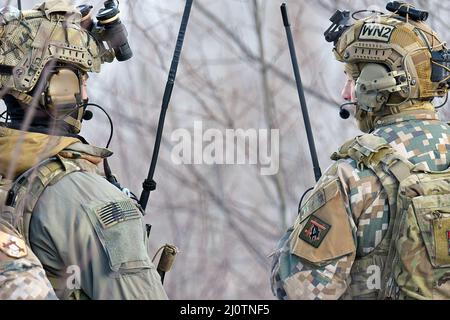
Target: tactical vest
413	258
19	197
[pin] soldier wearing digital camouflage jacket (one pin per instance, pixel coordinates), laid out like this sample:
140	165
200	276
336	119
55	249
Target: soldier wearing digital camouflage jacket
22	276
375	226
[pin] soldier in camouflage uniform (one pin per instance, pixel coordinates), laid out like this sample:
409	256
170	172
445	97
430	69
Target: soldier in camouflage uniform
87	233
341	244
21	274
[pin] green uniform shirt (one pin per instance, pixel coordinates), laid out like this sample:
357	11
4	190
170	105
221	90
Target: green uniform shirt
91	240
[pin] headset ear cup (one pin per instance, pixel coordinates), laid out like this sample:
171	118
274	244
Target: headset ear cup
64	88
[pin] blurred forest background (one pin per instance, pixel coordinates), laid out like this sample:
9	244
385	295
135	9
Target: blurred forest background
235	72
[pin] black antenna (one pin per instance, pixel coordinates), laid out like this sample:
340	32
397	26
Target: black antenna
301	94
19	4
149	184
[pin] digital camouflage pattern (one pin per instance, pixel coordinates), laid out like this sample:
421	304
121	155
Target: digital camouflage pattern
21	275
368	197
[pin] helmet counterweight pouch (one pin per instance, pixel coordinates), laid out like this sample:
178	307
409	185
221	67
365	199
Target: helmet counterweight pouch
440	66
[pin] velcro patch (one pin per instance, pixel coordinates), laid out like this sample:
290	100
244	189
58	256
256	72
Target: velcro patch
12	246
376	32
448	241
314	231
116	212
441	235
314	203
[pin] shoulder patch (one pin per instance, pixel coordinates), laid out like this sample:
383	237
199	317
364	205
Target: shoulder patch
325	234
115	212
376	32
12	246
314	231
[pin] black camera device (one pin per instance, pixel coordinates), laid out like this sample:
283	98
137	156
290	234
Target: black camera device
108	28
403	9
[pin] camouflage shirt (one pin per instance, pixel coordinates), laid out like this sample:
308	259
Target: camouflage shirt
21	274
420	137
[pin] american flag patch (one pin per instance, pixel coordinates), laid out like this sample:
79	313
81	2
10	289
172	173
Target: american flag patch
116	212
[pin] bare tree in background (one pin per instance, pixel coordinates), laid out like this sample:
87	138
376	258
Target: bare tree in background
235	72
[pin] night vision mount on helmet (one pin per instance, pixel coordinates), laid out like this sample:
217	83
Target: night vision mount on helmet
33	38
108	28
45	54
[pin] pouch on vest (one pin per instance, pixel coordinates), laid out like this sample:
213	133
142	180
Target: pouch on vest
421	266
417	265
322	232
119	227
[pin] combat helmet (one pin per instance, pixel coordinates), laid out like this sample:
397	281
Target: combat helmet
44	56
396	59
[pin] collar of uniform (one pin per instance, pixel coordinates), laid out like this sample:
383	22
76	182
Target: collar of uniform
90	150
406	116
74	144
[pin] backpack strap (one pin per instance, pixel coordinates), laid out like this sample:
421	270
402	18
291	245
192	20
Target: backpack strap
27	189
367	150
391	168
370	151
